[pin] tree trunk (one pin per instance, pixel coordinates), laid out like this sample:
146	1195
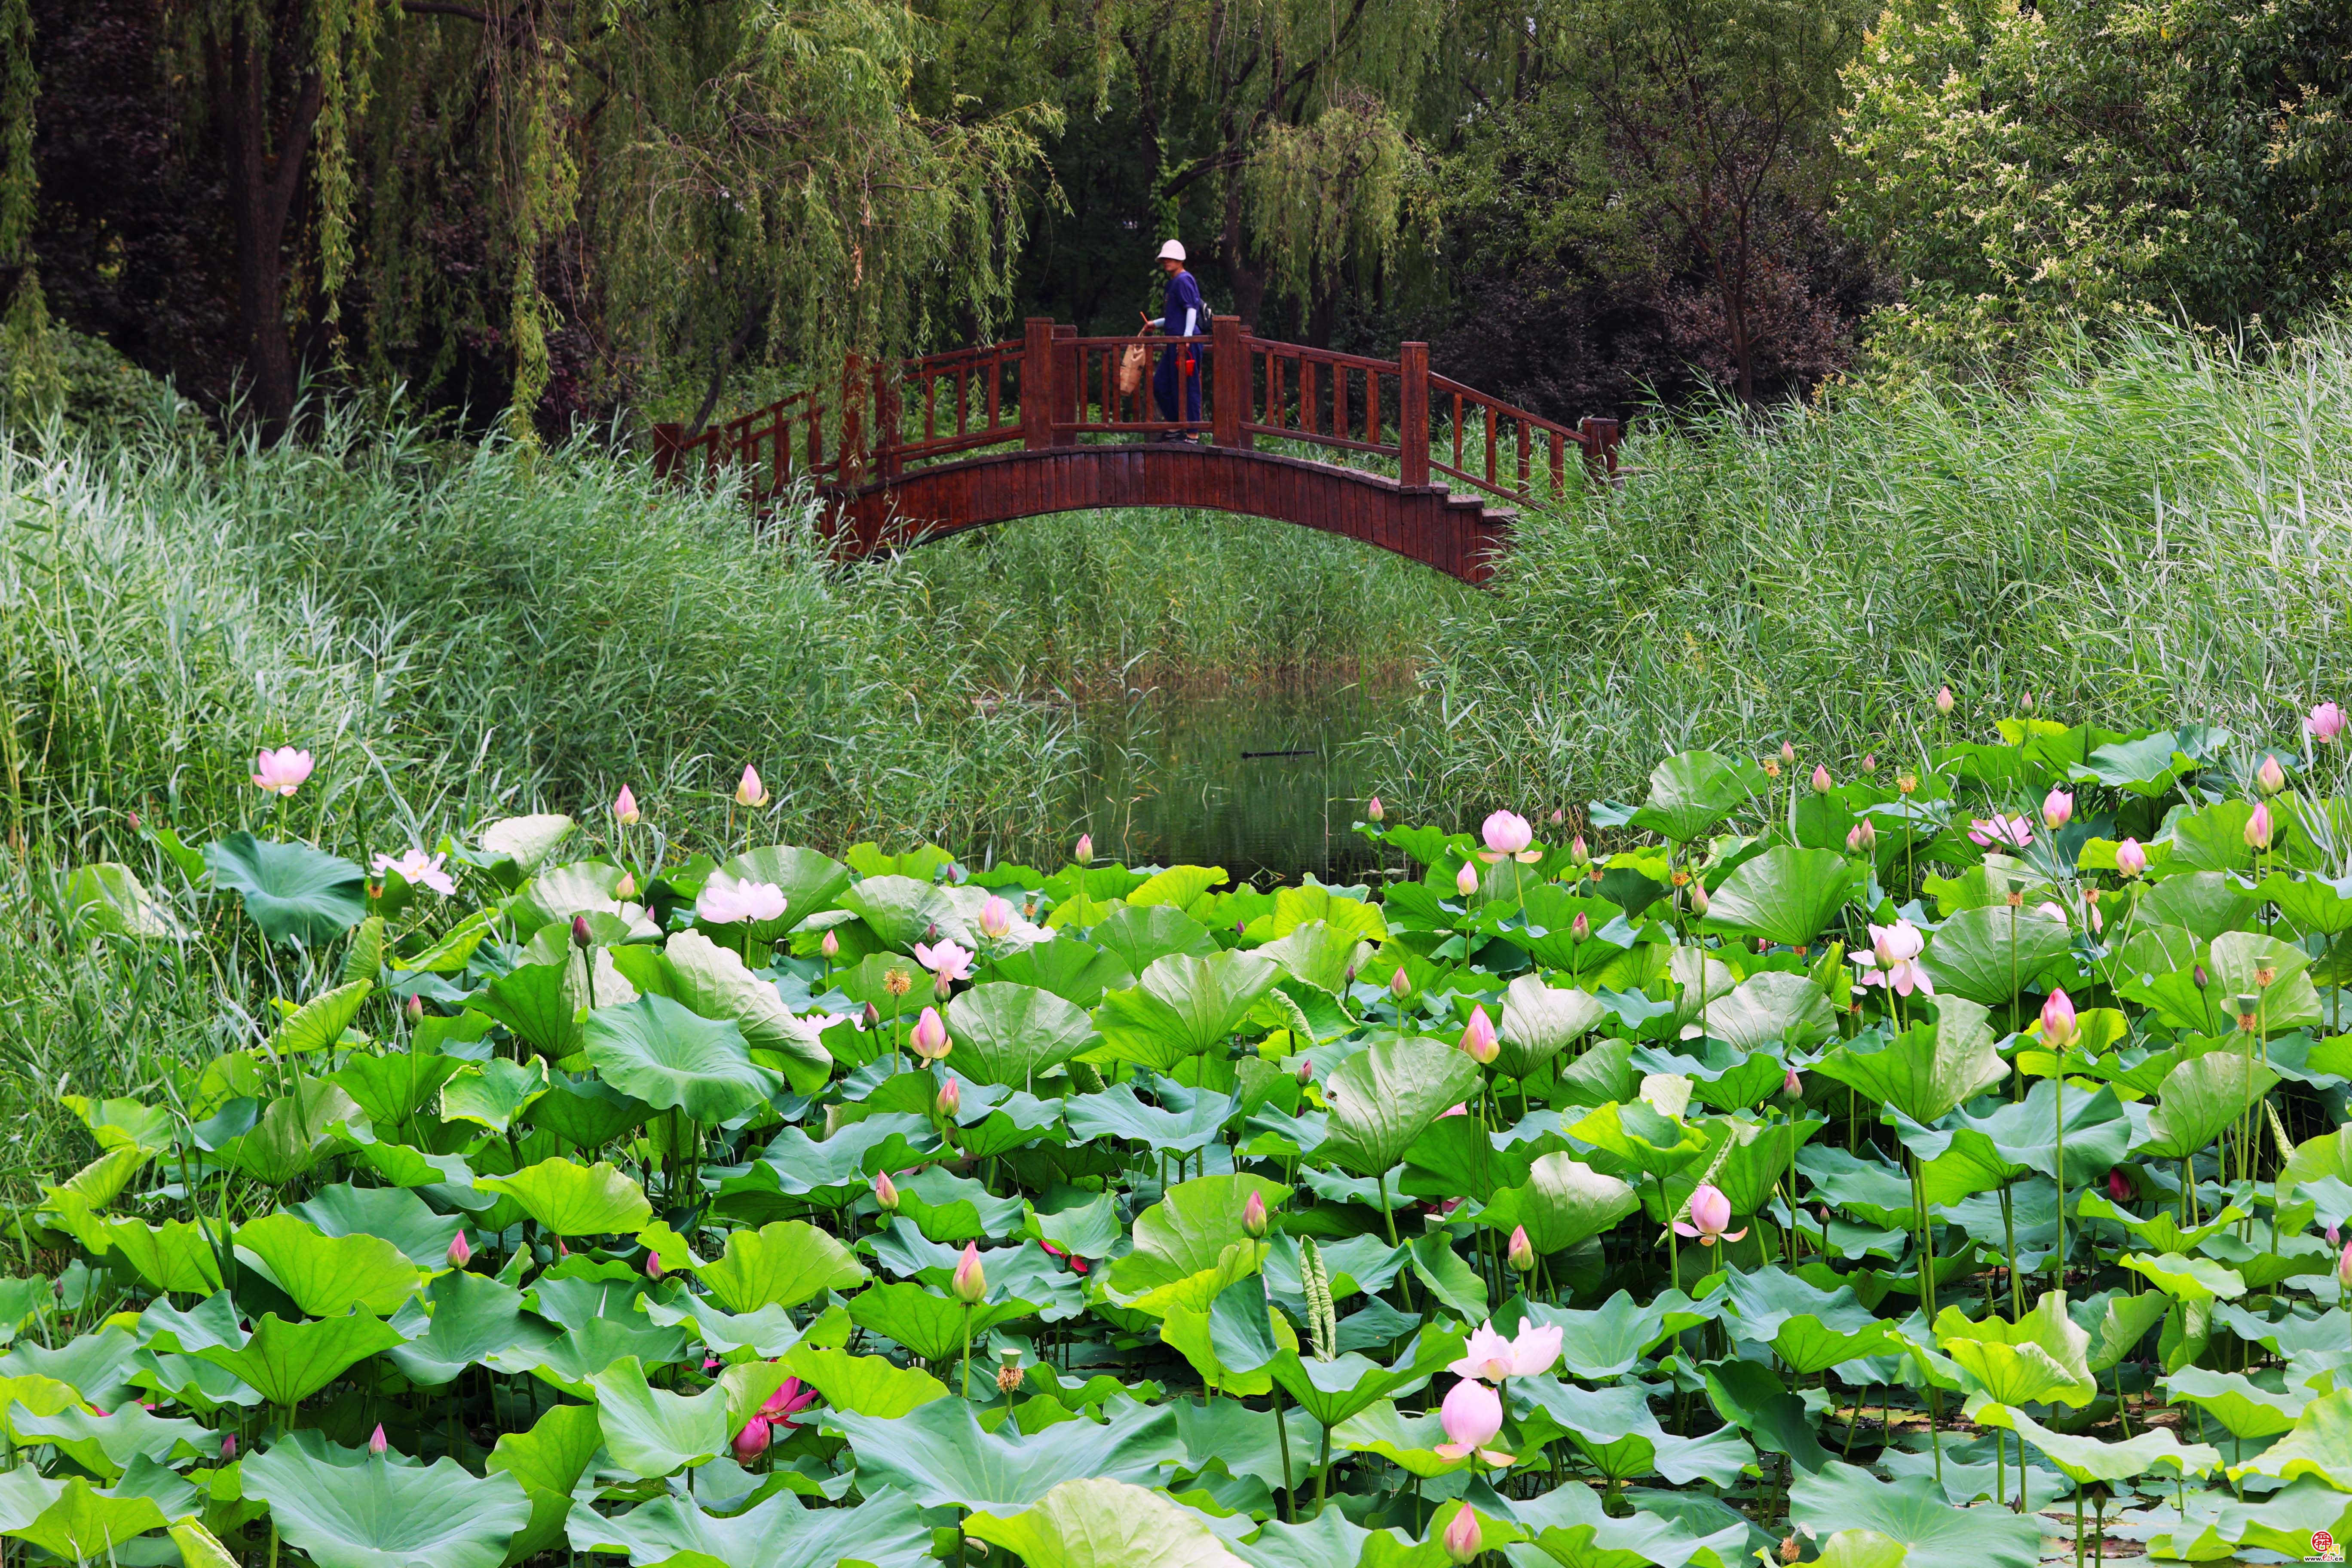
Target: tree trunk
1248	283
262	186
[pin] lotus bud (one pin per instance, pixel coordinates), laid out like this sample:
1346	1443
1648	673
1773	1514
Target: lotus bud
970	1283
626	888
1863	839
1870	761
1578	853
897	982
461	1254
1698	897
1944	700
1471	1414
2131	858
885	1193
871	1018
2197	972
2119	1186
930	931
1463	1541
1521	1256
2026	701
751	793
950	1099
1466	880
1792	1086
1821	779
2344	1266
2059	1027
942	986
1788	752
1478	1042
2333	1237
2258	826
752	1441
625	808
414	1009
1085	851
930	1038
377	1442
653	1264
830	946
1375	810
1241	928
1557	816
995	918
1253	1217
1400	985
228	1447
2057	809
131	820
2270	776
581	937
1580	927
1304	1072
2323	722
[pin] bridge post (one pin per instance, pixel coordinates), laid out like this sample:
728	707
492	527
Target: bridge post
1229	363
1412	415
668	440
1068	375
885	421
1037	398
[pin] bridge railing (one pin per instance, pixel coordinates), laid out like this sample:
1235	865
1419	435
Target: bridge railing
1053	388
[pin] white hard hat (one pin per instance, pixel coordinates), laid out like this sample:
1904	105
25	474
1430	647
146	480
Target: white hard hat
1172	251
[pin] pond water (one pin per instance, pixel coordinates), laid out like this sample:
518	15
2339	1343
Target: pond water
1259	782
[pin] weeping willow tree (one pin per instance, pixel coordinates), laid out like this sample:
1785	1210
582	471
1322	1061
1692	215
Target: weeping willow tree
31	379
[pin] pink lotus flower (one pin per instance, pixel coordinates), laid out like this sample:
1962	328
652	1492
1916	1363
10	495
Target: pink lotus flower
1466	880
1698	899
2059	1027
1580	929
2057	809
1521	1253
1578	853
2323	722
2344	1266
1709	1212
1792	1086
929	1039
461	1254
1478	1042
1944	700
1304	1071
1471	1415
1078	1265
1491	1358
1399	983
625	808
1863	839
653	1264
418	869
377	1442
1375	810
1085	850
1507	833
2131	858
970	1282
792	1397
995	918
228	1445
1462	1109
2012	831
725	902
885	1193
752	1441
281	771
945	960
1821	779
1253	1217
1462	1543
2269	777
1892	959
2258	826
830	946
750	793
950	1101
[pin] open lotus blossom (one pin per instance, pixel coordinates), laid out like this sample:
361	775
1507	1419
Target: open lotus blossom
625	808
2012	831
996	918
1521	1254
1478	1041
1466	880
748	791
377	1442
1506	833
2057	809
418	869
945	960
792	1397
281	771
752	1441
2323	722
1077	1265
725	902
1892	959
929	1039
2131	858
2258	826
1709	1212
969	1282
1491	1357
2269	777
1471	1415
460	1253
1461	1540
2059	1027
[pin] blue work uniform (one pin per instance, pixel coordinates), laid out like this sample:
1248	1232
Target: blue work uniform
1181	316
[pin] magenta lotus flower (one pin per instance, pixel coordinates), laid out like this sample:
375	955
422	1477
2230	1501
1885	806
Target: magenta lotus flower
2323	722
625	808
377	1442
2059	1027
418	869
950	1099
1478	1042
2119	1188
1821	779
996	918
1471	1415
970	1282
750	793
1709	1212
1521	1253
2270	778
653	1264
2013	832
281	771
2057	809
228	1445
1944	700
1253	1217
461	1254
2258	826
1863	839
1892	959
1085	850
1375	810
1506	833
725	901
2131	858
929	1039
1466	880
885	1193
792	1397
1461	1540
752	1441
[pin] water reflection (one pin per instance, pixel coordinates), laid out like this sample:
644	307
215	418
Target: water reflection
1257	782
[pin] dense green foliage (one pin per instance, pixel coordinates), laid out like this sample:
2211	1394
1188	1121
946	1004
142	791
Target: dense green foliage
1828	1158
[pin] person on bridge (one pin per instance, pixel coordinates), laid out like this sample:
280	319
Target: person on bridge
1182	315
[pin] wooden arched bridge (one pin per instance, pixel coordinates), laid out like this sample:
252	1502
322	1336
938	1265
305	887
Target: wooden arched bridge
913	450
